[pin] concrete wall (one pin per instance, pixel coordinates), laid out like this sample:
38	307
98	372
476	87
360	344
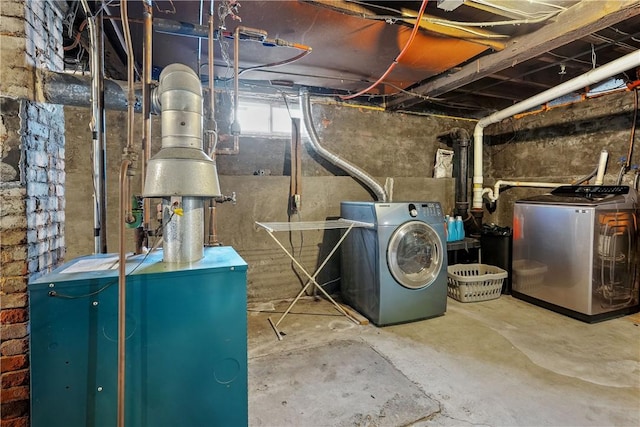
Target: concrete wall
384	144
558	145
32	188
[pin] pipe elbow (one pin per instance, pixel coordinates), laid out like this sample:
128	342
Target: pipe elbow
179	89
179	77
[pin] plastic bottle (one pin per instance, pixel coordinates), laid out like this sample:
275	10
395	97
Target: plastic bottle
451	229
459	228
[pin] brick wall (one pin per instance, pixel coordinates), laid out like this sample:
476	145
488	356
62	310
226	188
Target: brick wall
32	187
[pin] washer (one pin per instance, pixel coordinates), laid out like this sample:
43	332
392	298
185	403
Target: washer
396	271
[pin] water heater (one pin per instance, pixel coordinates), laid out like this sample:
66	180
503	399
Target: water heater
186	342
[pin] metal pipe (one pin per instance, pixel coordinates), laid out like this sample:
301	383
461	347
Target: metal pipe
235	126
177	28
183	235
354	171
460	139
146	116
98	137
75	90
125	171
116	29
122	293
212	128
181	167
624	63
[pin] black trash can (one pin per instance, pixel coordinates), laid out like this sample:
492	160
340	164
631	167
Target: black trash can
497	248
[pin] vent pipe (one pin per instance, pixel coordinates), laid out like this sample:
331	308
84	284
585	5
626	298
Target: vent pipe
596	75
181	169
354	171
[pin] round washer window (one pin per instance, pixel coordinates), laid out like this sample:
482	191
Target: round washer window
414	255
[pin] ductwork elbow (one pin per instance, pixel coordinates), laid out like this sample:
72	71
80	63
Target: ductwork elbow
305	105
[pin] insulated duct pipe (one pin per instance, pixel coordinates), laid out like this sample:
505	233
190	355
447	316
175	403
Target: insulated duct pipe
181	168
624	63
76	90
354	171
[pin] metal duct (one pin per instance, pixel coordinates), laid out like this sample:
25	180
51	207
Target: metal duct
181	167
75	90
354	171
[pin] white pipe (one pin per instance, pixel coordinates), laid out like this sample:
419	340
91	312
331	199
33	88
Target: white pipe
624	63
602	167
495	193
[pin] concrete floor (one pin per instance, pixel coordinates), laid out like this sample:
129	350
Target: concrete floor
494	363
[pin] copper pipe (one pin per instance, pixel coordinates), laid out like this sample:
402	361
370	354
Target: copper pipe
146	112
236	81
131	95
213	131
122	293
124	216
627	165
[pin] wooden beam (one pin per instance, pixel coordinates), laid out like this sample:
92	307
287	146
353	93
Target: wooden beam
508	78
576	22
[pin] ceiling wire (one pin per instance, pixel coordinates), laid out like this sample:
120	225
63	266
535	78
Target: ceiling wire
455	24
395	61
511	10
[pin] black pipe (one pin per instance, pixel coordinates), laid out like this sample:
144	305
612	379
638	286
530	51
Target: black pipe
460	140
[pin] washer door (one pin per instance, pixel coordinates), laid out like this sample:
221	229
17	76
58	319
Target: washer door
415	255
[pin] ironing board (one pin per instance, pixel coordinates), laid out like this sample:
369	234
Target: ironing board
274	227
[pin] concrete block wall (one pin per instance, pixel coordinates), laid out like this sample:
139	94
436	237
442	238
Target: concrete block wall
32	190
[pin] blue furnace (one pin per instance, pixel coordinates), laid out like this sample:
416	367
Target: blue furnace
186	346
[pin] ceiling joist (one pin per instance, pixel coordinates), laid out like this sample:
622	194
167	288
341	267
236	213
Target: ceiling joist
576	22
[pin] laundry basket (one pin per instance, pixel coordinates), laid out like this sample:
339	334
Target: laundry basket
528	275
474	282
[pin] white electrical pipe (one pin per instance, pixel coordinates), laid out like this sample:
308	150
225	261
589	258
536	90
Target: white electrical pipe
624	63
602	167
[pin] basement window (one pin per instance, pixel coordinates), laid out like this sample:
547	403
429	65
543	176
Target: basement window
263	119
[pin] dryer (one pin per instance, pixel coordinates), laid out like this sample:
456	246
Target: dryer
396	271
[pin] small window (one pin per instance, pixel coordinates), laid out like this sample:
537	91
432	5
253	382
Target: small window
266	119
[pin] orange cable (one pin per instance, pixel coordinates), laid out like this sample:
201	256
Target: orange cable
395	61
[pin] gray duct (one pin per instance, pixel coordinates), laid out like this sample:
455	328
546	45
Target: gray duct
75	90
181	167
354	171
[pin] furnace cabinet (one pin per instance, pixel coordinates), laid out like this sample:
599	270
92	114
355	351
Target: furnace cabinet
186	342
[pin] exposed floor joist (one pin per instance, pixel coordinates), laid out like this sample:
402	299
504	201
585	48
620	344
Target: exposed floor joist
574	23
